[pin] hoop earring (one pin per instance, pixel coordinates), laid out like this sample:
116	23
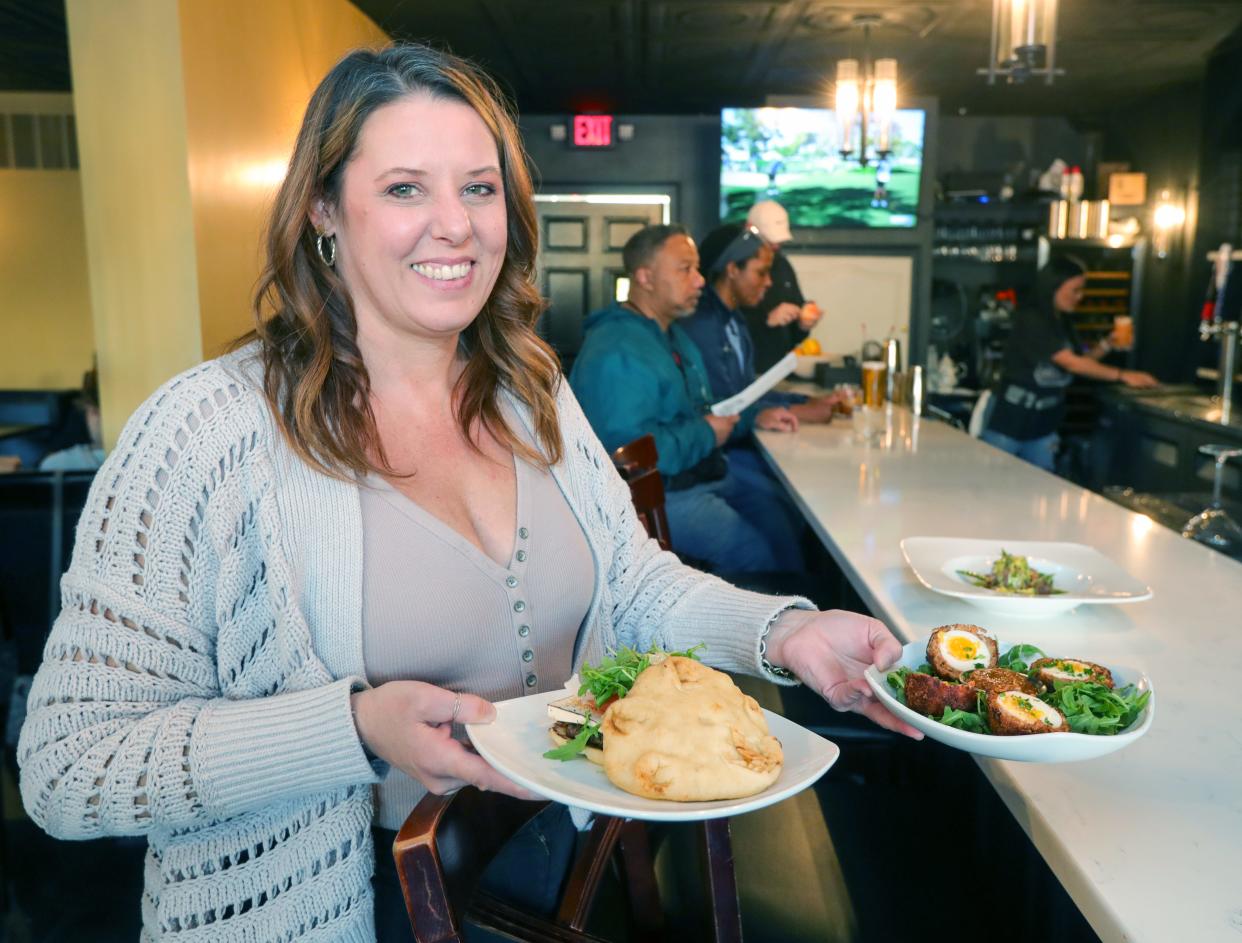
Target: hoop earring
322	242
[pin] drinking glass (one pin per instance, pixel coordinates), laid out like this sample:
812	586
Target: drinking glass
1213	525
873	379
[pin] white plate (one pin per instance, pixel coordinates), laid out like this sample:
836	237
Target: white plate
1031	747
515	741
1086	575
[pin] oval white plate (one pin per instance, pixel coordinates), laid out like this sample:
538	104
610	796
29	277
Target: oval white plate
1085	574
1028	748
515	741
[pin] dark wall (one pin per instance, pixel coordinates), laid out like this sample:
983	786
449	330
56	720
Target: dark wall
1019	145
679	154
1161	136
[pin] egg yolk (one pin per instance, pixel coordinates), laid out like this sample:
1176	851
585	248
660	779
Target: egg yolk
1023	705
963	648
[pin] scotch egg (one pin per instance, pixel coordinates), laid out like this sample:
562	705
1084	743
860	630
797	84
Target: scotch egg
1016	712
1051	670
954	650
999	680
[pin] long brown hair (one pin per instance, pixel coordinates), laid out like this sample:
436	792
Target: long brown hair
313	375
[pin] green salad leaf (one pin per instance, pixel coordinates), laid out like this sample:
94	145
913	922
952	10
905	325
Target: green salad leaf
897	681
965	720
616	674
570	749
1092	708
1019	658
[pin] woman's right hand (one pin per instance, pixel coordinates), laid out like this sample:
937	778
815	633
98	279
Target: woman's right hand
410	725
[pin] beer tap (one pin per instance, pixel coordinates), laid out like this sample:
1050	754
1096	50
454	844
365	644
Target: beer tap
1212	325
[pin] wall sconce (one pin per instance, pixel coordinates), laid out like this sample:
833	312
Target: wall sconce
1167	220
1024	41
866	93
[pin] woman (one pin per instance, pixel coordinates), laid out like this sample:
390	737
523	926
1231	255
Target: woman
305	561
1040	362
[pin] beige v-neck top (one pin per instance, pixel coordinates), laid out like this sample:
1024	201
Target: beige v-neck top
438	609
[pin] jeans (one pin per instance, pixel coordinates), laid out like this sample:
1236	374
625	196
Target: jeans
743	523
528	872
1041	451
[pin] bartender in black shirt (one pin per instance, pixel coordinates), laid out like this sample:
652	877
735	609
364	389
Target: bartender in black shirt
1041	361
783	319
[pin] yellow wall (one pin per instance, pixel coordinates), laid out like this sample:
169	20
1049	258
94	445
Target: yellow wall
130	111
45	311
243	109
45	316
186	114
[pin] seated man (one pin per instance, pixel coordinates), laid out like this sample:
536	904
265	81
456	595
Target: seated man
637	373
737	263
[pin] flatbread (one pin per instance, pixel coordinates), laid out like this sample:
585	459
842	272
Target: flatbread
685	732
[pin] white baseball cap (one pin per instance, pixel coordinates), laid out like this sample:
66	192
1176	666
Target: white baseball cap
770	218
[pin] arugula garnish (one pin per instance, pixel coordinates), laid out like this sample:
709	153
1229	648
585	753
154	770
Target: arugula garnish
571	748
1013	573
617	673
897	681
1092	708
1019	658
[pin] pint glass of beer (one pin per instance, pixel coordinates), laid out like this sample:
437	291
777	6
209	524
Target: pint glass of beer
1123	331
873	379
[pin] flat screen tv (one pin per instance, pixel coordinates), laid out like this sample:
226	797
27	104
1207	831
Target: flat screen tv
792	155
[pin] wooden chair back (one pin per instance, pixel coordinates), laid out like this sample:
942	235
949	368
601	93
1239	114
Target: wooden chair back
636	457
636	462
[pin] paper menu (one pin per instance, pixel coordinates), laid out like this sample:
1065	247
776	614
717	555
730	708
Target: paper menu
768	379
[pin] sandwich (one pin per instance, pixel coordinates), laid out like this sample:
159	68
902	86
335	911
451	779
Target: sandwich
665	726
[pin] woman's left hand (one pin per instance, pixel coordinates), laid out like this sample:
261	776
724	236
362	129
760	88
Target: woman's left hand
829	651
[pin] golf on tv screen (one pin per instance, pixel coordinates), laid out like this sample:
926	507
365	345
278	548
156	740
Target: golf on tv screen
793	156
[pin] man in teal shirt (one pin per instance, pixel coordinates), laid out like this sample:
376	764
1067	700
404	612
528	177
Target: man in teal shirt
639	373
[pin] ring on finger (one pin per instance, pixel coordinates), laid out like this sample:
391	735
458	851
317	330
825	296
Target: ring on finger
456	707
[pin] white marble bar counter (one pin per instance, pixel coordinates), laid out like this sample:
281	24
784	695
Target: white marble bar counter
1148	840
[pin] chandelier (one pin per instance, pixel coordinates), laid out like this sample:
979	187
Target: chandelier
1024	41
866	94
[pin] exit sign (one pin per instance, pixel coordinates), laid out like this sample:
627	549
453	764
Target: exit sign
592	131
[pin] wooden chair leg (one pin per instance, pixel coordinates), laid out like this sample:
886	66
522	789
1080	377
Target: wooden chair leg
588	871
646	912
722	882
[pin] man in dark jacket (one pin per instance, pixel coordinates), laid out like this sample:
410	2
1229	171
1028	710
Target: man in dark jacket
783	318
637	373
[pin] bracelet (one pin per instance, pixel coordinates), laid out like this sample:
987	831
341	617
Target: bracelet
763	648
1120	374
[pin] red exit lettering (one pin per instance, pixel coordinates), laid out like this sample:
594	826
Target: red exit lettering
592	130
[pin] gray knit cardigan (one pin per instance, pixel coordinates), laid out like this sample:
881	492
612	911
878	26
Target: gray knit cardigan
195	687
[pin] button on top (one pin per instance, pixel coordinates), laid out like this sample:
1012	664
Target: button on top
528	655
519	606
523	533
521	555
523	630
531	681
511	581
